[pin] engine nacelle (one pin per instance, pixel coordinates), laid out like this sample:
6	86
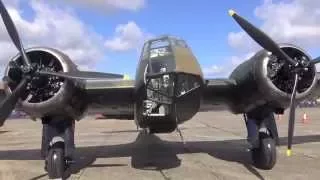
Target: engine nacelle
266	79
48	95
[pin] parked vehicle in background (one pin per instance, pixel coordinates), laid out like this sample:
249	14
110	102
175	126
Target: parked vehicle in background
309	103
18	115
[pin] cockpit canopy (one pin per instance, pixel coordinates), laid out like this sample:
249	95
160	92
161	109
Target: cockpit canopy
162	46
169	54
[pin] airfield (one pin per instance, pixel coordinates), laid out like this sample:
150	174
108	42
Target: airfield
113	149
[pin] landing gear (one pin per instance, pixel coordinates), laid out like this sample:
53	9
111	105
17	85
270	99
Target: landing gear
263	138
265	156
57	145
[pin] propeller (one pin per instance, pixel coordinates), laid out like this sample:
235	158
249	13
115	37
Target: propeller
261	38
267	43
13	33
292	114
8	104
29	70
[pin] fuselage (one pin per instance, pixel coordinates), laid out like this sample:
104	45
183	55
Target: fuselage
167	89
167	86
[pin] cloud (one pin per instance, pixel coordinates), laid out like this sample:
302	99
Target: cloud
236	60
293	21
127	37
224	70
110	5
296	21
55	27
214	71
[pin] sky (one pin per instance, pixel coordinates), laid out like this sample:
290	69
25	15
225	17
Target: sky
107	35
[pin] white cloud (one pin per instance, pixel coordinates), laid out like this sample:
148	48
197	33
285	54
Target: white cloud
7	51
224	70
214	71
127	37
109	5
11	3
236	60
296	21
55	27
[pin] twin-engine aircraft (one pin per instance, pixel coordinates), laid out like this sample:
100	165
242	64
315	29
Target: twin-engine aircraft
169	89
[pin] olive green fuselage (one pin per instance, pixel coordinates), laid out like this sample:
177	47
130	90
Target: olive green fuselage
179	77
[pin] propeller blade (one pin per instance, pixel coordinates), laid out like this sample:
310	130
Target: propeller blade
261	38
316	60
82	75
9	103
292	114
13	33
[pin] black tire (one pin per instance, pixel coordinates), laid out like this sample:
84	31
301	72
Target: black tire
265	156
56	162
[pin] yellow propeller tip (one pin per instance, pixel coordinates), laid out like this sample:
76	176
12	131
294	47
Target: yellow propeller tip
232	12
289	153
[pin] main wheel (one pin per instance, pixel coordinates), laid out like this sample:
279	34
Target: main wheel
56	164
265	156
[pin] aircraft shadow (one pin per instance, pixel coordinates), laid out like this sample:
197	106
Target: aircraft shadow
2	132
149	152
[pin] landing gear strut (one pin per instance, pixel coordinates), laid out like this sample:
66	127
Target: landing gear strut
263	137
57	145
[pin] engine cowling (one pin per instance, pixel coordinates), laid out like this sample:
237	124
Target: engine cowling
48	95
266	79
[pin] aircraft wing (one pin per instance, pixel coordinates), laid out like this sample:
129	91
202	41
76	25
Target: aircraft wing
217	93
109	91
110	97
115	97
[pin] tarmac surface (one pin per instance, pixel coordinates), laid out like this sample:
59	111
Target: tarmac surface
215	148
